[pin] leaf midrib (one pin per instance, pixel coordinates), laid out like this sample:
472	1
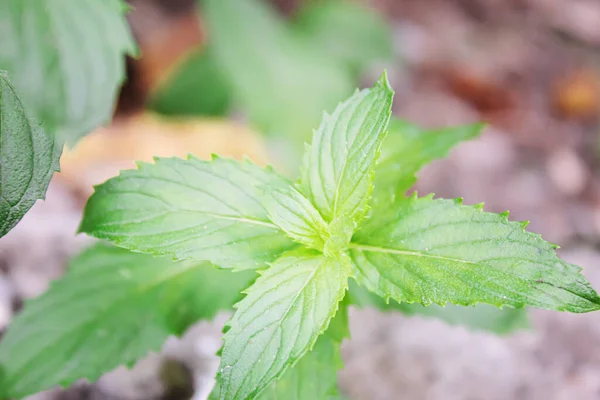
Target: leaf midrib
378	249
347	157
300	292
246	220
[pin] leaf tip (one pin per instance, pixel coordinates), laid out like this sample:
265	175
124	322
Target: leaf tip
383	81
226	328
82	228
140	164
126	8
477	128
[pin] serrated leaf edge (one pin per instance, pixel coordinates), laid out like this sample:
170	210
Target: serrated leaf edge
480	208
292	361
142	166
129	364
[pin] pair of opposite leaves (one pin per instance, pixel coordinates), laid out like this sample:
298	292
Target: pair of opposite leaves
319	233
408	249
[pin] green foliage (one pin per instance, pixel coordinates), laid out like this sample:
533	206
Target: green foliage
28	158
197	87
192	209
352	33
409	148
305	241
279	78
294	60
430	250
111	308
66	59
279	320
338	168
296	216
315	375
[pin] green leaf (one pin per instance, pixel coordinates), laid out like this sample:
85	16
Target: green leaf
28	158
296	216
279	78
479	317
409	148
279	320
354	34
111	308
197	87
66	58
190	209
314	377
338	168
437	251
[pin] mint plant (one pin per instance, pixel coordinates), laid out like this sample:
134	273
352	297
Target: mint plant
299	243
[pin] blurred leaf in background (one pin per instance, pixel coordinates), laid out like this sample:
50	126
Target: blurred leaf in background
280	79
196	88
66	65
352	33
281	74
127	305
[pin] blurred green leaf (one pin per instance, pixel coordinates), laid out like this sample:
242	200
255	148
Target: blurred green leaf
197	87
67	59
354	34
281	79
111	308
407	149
480	317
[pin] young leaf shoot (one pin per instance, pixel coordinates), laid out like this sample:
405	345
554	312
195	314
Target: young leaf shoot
348	216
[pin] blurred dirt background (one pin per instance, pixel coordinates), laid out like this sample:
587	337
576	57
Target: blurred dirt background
531	68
